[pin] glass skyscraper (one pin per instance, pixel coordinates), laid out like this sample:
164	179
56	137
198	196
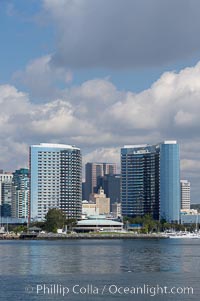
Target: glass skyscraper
55	177
151	180
140	181
170	199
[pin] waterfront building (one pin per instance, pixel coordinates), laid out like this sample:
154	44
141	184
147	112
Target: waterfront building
189	211
111	184
98	223
20	193
5	194
191	219
151	180
140	180
101	201
185	194
55	180
169	181
92	172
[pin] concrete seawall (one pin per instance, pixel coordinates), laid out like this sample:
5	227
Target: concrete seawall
99	236
52	236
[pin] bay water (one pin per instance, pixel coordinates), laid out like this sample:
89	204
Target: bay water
118	269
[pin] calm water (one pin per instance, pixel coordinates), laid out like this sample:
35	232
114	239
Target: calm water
98	269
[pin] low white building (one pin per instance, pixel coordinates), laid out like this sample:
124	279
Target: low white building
98	223
190	219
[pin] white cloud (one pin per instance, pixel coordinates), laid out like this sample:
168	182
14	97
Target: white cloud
40	78
100	119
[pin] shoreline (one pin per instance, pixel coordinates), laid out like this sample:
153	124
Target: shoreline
34	236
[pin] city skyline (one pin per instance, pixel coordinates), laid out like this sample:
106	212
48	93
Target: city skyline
111	83
98	162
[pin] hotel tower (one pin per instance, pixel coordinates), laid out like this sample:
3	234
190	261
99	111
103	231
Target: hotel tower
55	180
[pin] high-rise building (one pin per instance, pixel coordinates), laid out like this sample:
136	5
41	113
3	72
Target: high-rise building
151	180
185	194
140	180
111	184
169	181
5	194
20	193
92	172
55	177
101	201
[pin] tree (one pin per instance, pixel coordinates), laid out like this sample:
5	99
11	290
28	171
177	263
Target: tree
55	219
149	223
71	223
20	229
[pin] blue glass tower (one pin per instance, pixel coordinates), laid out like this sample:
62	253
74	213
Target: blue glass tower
169	181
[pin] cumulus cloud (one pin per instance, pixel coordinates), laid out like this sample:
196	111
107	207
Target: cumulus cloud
40	77
99	118
123	34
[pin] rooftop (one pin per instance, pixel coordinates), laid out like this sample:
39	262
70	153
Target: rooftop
54	145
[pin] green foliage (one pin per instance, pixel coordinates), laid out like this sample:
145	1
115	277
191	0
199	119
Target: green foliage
38	225
70	222
55	219
150	225
20	229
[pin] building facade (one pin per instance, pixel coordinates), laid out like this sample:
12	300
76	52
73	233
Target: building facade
140	181
92	172
20	193
185	194
55	177
111	184
101	201
89	208
116	210
170	181
6	194
151	181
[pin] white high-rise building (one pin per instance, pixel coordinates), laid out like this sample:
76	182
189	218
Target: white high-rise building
185	194
55	180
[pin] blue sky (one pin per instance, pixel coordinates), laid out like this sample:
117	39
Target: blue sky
100	74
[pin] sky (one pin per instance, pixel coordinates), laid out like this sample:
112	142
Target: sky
100	74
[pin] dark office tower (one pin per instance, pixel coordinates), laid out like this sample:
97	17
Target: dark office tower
83	191
20	193
94	170
140	181
111	185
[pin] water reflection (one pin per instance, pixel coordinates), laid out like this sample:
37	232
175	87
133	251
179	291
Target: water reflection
98	256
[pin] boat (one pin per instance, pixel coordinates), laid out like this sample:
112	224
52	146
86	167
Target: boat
193	235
